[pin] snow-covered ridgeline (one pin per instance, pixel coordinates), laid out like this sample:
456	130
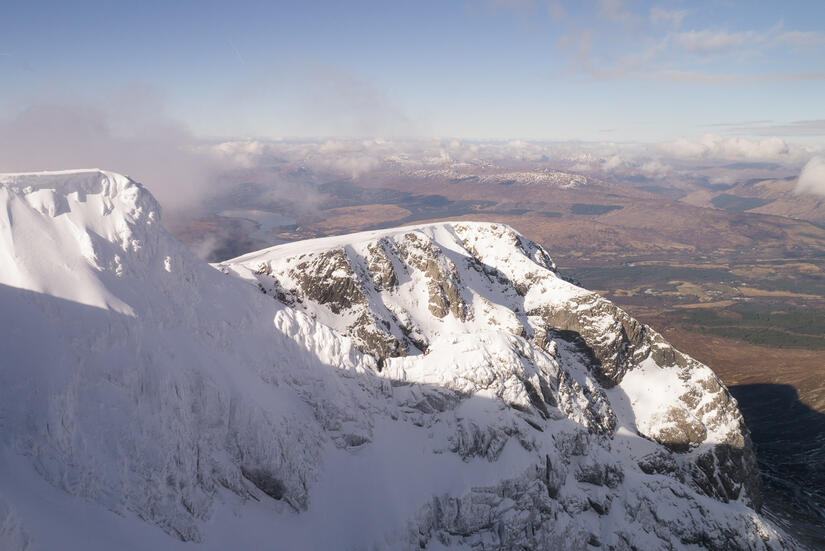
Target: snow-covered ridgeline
147	397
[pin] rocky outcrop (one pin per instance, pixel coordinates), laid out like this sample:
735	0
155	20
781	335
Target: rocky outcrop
328	279
380	266
443	281
615	348
488	277
531	512
453	312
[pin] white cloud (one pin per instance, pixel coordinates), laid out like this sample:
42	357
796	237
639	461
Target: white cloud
660	15
652	47
581	45
556	11
206	245
127	132
707	41
522	6
613	162
815	127
713	146
616	12
243	153
684	149
655	169
729	78
812	177
802	39
354	166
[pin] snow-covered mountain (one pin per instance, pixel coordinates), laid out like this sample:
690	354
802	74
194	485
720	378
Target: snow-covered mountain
543	177
430	387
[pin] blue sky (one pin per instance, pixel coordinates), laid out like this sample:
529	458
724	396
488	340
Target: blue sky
600	70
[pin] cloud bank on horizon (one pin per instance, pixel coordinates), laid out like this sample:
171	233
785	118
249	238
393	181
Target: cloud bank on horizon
640	87
363	160
133	133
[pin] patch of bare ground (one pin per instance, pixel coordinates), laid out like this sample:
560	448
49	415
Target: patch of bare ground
350	219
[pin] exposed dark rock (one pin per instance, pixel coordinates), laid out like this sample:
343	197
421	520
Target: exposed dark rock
659	463
265	482
680	431
612	356
443	281
328	279
600	474
380	266
373	340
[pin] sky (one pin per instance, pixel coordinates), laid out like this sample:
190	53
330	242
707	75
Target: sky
540	70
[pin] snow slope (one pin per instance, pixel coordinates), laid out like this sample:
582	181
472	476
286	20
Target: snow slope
150	401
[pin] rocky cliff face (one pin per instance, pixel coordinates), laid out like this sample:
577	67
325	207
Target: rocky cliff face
427	387
477	309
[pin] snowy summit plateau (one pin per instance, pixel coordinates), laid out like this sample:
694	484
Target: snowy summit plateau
439	386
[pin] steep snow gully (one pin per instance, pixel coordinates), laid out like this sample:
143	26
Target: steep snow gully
429	387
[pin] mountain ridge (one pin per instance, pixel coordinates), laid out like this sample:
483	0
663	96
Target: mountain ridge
161	389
